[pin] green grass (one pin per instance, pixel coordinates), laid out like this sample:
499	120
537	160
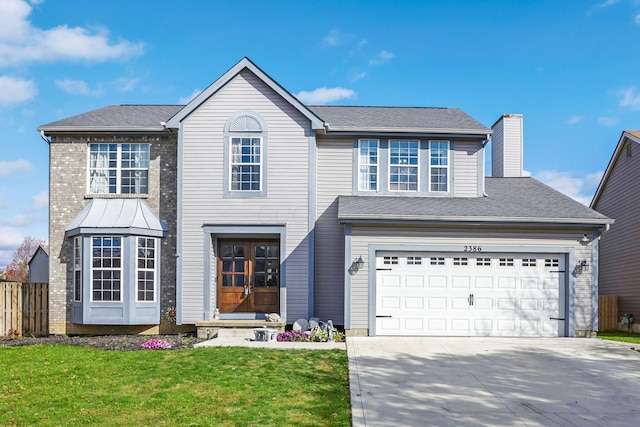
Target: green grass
620	336
67	385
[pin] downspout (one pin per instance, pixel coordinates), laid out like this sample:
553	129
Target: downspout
595	263
484	162
44	137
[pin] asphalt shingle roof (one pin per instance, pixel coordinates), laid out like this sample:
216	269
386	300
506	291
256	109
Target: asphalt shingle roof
418	118
130	117
508	199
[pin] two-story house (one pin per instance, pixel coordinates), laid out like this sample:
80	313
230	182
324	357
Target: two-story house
246	201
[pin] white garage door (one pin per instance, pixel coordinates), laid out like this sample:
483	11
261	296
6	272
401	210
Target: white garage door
469	295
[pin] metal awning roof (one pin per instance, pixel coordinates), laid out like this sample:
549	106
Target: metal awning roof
116	216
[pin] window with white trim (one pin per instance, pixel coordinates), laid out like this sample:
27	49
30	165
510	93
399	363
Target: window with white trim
246	164
506	262
436	260
483	262
146	269
551	262
460	261
77	268
368	164
106	268
119	168
529	262
414	260
439	166
404	165
390	260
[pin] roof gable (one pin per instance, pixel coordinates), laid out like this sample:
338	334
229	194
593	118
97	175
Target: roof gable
245	63
627	135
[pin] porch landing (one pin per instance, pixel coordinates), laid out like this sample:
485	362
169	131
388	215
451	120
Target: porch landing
234	328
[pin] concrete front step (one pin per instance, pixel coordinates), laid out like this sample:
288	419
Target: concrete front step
234	328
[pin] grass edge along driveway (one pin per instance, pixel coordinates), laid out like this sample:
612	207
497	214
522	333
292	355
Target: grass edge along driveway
68	385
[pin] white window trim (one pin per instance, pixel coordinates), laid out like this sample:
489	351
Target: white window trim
232	164
377	165
92	269
417	190
447	167
119	168
154	270
77	267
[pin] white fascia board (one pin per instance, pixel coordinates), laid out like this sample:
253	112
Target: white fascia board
102	129
466	219
316	123
485	133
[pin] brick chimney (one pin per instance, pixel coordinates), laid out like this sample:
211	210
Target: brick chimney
506	146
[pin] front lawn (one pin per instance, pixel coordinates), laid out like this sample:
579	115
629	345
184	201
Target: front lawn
67	385
620	336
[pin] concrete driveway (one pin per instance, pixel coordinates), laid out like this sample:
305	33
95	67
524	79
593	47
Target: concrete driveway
493	382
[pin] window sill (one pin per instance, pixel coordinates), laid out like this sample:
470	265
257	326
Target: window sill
115	196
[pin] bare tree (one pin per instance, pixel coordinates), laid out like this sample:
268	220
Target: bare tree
18	270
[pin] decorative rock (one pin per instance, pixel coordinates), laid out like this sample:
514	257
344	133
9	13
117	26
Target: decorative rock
272	317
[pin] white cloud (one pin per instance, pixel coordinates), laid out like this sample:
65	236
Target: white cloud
74	87
325	95
574	119
334	38
18	166
20	220
187	99
382	57
10	239
126	84
14	90
21	42
629	98
40	201
578	188
607	121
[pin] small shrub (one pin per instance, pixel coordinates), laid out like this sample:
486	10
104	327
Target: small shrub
338	336
156	344
321	335
14	334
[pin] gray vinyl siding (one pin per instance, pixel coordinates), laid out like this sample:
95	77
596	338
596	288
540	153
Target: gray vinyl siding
467	168
334	176
619	256
497	160
363	236
507	150
286	202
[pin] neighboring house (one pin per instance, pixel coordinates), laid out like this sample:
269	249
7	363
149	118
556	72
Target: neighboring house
39	266
246	201
618	196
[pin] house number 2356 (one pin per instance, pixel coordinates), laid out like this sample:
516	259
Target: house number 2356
473	249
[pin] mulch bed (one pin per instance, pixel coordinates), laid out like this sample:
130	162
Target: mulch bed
103	342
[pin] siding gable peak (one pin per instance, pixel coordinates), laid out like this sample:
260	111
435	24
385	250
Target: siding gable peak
244	64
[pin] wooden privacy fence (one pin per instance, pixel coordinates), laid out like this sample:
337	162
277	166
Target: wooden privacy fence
24	309
607	312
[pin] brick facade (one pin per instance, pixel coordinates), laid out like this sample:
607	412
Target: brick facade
67	196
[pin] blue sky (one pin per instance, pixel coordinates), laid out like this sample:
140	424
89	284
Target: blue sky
572	69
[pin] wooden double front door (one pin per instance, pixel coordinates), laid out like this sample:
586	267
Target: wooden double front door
249	276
